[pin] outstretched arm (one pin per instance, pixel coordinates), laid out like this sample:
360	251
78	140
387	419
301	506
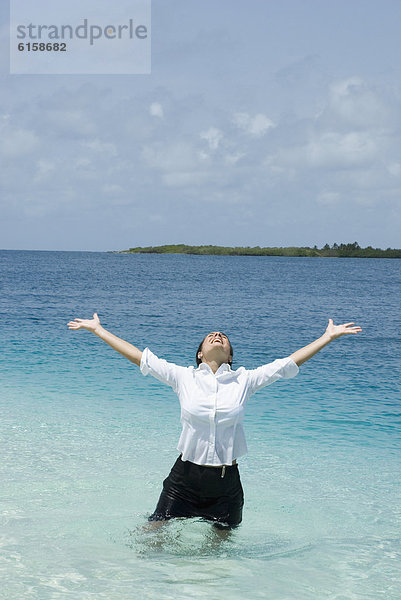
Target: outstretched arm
332	332
125	348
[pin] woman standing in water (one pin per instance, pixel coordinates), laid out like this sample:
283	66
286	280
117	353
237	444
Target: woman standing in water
204	481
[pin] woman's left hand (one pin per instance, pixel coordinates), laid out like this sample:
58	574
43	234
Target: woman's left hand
332	332
335	331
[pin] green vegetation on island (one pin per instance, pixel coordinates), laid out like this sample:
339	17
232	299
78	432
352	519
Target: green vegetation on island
336	250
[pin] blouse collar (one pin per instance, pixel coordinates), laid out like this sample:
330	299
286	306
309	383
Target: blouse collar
223	368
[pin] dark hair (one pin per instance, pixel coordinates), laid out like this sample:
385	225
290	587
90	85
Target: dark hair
199	361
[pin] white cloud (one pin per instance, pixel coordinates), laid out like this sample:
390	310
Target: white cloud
102	147
185	178
112	189
345	87
173	156
120	152
156	110
115	195
213	136
349	132
336	150
82	163
355	104
394	168
178	162
44	169
232	159
254	126
74	122
345	153
328	197
17	142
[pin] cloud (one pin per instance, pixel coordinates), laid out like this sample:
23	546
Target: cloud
44	169
347	150
328	198
232	159
156	110
335	150
185	178
297	72
101	147
213	136
168	156
74	122
178	162
255	126
17	142
354	104
123	156
394	168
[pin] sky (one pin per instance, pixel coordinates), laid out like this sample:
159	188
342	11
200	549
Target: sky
261	123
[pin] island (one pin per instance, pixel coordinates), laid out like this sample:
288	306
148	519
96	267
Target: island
335	250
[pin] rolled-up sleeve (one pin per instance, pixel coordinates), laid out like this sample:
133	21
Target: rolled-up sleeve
282	368
164	371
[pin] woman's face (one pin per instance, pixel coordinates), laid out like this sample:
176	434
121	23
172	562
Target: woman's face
216	346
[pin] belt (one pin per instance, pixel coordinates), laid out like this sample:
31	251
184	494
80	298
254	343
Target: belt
222	467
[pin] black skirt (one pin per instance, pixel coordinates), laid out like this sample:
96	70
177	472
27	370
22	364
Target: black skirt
211	493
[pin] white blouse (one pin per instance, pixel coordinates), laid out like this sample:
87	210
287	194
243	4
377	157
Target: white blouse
212	405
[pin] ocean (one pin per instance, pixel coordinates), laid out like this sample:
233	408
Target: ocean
86	440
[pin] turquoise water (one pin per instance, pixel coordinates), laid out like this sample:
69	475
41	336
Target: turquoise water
86	440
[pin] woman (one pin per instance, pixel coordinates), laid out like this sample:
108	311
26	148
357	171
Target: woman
204	481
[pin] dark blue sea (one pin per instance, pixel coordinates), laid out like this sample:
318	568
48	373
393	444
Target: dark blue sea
86	440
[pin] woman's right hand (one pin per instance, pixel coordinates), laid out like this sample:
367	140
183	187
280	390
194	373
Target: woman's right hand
125	348
89	324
